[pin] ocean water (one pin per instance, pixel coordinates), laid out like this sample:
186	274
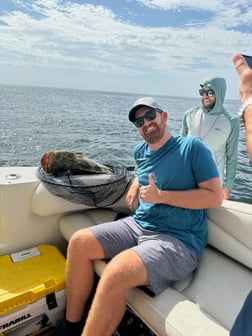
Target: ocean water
35	120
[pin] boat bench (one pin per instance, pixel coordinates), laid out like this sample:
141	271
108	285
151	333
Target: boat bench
207	302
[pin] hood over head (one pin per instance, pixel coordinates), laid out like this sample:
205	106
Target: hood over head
218	84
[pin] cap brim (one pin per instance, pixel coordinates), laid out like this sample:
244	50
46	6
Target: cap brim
134	110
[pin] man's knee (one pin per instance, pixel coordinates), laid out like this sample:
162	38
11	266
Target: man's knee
113	280
79	240
122	275
86	245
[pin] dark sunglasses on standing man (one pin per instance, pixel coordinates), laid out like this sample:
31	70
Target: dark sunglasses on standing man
149	115
209	93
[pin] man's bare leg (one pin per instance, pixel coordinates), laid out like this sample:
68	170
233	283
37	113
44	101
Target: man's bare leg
83	248
124	271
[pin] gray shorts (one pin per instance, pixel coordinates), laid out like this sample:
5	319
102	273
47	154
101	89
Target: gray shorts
166	258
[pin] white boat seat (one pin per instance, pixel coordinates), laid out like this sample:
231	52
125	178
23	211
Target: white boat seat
205	304
230	230
45	203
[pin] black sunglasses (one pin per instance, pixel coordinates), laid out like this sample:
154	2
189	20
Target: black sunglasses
149	115
209	93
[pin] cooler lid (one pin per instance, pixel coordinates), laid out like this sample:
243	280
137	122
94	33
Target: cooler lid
30	275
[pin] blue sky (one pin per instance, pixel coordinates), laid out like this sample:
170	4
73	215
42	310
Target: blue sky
165	47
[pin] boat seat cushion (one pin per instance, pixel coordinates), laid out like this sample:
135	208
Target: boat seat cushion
230	230
187	318
45	203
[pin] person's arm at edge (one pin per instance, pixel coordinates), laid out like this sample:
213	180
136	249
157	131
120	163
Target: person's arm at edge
245	89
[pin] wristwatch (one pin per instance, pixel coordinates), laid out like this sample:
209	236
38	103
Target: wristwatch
243	108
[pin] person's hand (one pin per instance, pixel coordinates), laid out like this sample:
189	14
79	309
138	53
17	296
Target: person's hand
150	193
132	196
245	73
245	89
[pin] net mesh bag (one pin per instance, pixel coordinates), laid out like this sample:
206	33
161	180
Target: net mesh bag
96	190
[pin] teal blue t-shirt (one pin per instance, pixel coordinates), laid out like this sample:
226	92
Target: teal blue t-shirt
180	164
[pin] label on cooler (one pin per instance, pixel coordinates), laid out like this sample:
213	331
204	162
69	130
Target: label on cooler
25	254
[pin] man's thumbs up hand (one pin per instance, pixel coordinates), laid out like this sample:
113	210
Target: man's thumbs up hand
150	193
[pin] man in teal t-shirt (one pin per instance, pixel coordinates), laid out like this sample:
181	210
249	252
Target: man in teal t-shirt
177	179
180	164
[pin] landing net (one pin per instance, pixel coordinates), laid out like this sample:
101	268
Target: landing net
96	190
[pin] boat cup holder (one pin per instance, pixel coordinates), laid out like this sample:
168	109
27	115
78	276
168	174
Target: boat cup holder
12	176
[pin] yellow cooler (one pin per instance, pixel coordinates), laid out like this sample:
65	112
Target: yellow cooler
32	291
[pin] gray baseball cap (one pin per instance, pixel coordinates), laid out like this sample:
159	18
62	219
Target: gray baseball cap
141	102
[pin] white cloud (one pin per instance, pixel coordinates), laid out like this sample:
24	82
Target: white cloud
53	34
214	6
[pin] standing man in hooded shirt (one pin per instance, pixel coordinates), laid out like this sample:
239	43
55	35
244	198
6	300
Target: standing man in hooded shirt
218	128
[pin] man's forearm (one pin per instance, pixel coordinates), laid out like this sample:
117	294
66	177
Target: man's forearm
193	199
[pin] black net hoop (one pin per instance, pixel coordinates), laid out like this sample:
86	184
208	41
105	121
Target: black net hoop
95	190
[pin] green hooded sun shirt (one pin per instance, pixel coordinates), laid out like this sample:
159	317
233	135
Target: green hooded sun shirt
218	128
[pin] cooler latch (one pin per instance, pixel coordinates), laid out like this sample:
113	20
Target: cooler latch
51	301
